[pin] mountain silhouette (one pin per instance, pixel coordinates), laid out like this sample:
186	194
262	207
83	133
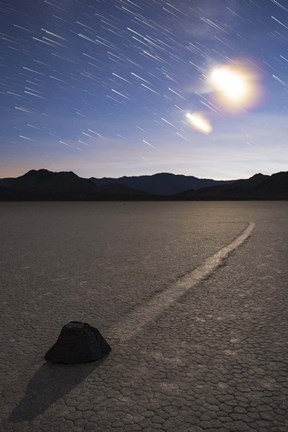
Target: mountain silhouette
46	185
160	183
258	187
37	185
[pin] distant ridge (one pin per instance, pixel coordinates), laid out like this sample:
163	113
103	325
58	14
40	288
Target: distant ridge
162	184
37	185
258	187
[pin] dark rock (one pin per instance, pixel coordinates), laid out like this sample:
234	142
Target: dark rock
78	343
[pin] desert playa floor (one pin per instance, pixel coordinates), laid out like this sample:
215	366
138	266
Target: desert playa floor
200	355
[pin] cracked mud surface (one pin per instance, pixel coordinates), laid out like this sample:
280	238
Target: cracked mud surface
215	361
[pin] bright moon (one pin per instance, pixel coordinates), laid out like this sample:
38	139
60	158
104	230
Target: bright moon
231	83
236	86
199	122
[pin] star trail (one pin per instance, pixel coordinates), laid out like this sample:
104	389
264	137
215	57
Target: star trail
122	87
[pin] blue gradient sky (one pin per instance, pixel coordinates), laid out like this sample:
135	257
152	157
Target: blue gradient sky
102	87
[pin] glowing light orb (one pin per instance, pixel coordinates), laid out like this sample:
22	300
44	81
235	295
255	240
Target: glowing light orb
199	122
237	86
232	84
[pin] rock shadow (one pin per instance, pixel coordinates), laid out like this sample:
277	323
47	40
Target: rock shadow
50	382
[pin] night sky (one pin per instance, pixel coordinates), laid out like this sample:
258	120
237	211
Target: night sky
116	87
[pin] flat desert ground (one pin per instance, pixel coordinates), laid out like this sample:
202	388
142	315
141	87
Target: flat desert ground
192	297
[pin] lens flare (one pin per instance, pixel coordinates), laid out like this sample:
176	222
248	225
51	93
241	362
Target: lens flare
199	122
236	86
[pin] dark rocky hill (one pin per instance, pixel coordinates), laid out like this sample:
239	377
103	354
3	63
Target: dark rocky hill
162	184
46	185
258	187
